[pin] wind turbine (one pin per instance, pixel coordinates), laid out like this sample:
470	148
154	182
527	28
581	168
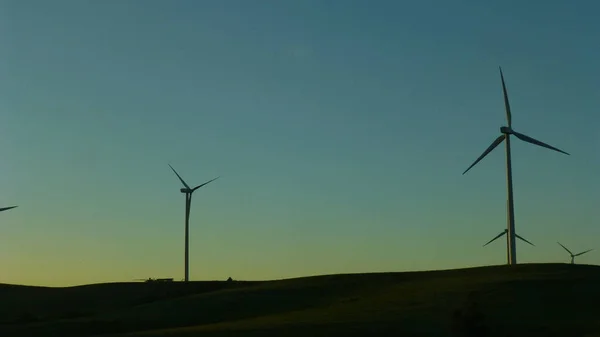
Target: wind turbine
507	131
7	208
504	232
573	255
187	190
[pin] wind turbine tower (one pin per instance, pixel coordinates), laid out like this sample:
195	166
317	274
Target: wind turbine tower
507	131
573	255
187	190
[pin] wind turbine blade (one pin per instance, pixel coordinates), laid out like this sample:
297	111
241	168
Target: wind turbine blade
520	237
7	208
506	103
178	176
197	187
567	249
537	142
488	150
589	250
497	236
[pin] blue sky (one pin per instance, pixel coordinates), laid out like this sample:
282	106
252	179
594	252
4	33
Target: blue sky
340	129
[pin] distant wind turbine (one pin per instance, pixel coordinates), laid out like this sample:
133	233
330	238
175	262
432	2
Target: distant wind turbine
7	208
573	255
504	232
506	132
187	190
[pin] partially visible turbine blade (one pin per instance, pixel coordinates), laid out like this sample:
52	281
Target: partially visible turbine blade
589	250
7	208
197	187
178	176
506	104
488	150
497	236
567	249
537	142
520	237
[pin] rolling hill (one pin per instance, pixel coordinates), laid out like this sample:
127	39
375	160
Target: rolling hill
522	300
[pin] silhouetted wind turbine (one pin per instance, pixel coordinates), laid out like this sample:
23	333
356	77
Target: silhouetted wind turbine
573	255
187	190
506	132
7	208
505	232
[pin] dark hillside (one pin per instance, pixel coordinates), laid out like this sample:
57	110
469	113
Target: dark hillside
523	300
27	304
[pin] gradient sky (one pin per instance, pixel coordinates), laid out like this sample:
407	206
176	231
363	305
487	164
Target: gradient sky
340	129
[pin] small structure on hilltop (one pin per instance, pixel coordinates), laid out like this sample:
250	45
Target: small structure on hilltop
229	279
148	280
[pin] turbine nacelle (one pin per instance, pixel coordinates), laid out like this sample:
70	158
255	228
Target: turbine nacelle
506	130
187	188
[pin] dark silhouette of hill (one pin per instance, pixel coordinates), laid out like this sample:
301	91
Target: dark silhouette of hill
522	300
20	304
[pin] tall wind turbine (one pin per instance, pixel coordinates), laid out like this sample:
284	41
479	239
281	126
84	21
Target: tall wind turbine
505	232
507	131
7	208
187	190
573	255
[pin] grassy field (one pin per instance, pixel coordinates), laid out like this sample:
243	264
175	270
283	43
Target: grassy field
524	300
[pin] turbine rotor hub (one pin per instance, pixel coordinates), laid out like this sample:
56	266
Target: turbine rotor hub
506	130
